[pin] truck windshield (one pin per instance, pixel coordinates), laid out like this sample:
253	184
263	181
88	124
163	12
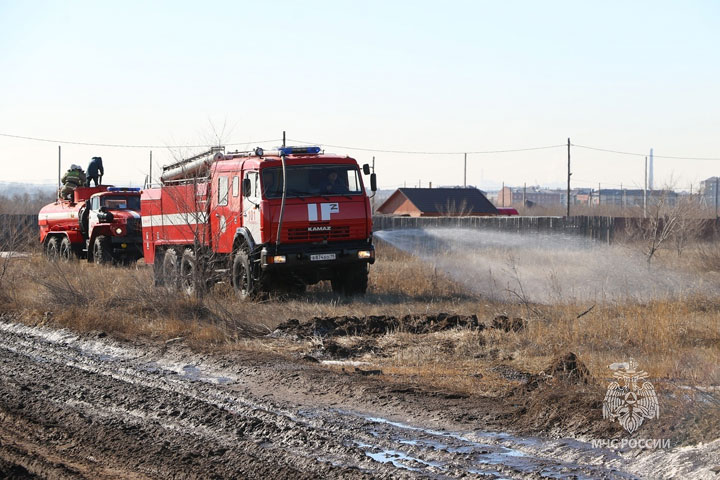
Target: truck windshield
120	203
311	180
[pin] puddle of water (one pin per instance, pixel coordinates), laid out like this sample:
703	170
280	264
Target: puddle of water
14	255
485	450
351	363
396	457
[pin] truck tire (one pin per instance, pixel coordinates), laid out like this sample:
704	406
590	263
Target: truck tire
189	283
171	270
66	252
52	248
102	250
351	280
158	268
242	277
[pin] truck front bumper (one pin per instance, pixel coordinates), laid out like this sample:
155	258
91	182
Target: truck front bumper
130	244
316	256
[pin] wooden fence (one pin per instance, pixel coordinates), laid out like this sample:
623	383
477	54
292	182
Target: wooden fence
599	228
605	229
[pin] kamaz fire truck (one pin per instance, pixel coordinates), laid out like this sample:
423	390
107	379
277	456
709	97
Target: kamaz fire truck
101	224
261	221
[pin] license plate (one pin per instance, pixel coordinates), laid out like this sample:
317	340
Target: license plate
322	256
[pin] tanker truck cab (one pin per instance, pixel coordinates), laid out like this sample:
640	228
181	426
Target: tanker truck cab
111	220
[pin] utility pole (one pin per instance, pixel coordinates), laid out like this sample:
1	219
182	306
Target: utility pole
372	199
465	172
524	194
598	194
645	192
568	189
59	166
503	194
150	179
283	138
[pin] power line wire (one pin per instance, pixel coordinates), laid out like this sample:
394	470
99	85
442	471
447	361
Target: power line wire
376	150
644	154
115	145
363	149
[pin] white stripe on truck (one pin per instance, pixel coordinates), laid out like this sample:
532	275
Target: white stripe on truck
174	219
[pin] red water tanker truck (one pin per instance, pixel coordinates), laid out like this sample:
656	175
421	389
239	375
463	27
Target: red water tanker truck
100	224
260	221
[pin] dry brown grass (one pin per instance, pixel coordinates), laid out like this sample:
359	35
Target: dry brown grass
677	340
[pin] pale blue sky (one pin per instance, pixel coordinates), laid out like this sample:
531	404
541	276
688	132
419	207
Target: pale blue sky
429	76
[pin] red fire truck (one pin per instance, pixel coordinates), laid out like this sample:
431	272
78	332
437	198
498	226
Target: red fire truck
99	223
261	221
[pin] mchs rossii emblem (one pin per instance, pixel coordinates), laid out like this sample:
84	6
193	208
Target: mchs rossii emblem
627	400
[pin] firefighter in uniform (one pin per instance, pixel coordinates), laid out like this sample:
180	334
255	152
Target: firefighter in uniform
73	178
95	170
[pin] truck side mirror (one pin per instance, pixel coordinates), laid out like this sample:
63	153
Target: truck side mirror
246	187
366	169
373	182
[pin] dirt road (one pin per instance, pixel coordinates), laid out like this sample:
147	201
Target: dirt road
90	407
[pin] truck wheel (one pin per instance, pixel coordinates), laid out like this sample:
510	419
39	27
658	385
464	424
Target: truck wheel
171	269
189	282
52	249
66	252
158	268
102	250
242	278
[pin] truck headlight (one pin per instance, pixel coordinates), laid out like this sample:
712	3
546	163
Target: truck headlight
277	259
365	254
118	230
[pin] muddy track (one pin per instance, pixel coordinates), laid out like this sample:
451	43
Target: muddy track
73	407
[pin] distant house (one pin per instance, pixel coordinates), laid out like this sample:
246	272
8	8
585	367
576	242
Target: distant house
436	202
510	196
707	187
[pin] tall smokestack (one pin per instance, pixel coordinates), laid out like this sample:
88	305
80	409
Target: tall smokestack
650	176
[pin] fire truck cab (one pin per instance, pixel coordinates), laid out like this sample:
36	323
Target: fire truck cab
260	221
100	224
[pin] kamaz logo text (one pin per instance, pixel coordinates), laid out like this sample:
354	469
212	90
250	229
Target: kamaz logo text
320	229
326	209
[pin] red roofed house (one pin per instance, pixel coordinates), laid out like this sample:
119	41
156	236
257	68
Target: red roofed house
437	202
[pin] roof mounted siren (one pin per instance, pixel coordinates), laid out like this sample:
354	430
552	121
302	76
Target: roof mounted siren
299	150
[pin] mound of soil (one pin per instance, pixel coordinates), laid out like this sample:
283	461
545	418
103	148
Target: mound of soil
375	325
569	367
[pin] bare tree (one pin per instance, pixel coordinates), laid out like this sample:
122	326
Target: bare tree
658	227
689	225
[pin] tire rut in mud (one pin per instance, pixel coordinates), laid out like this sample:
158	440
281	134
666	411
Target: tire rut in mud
77	420
72	408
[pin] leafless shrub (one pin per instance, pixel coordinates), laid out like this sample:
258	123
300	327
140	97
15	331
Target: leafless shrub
451	208
656	228
689	224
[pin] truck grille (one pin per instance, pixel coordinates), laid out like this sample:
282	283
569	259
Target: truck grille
133	226
336	232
